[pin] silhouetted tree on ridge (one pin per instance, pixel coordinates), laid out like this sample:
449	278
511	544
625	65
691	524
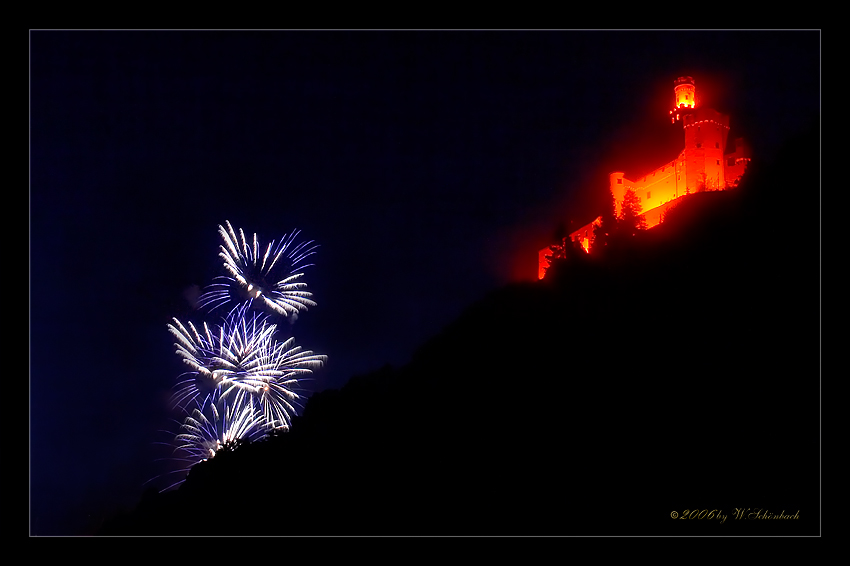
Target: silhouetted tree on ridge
631	214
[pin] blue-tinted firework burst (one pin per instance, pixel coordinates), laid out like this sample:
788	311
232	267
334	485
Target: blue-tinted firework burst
243	383
269	280
243	360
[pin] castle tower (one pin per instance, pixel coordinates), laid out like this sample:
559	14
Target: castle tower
684	94
705	131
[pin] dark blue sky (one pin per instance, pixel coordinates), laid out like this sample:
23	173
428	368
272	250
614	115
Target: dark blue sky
429	166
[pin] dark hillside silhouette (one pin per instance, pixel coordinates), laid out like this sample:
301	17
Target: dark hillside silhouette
679	372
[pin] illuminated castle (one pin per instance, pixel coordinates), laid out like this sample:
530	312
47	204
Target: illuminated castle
704	164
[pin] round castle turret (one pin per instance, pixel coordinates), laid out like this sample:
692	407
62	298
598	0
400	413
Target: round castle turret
684	98
684	93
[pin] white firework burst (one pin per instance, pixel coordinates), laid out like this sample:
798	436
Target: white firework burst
198	351
269	280
243	361
286	366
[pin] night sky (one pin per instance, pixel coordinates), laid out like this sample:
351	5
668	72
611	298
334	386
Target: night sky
429	166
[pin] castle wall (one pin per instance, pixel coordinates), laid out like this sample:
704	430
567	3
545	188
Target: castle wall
654	189
702	165
542	262
583	236
736	163
656	215
735	169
